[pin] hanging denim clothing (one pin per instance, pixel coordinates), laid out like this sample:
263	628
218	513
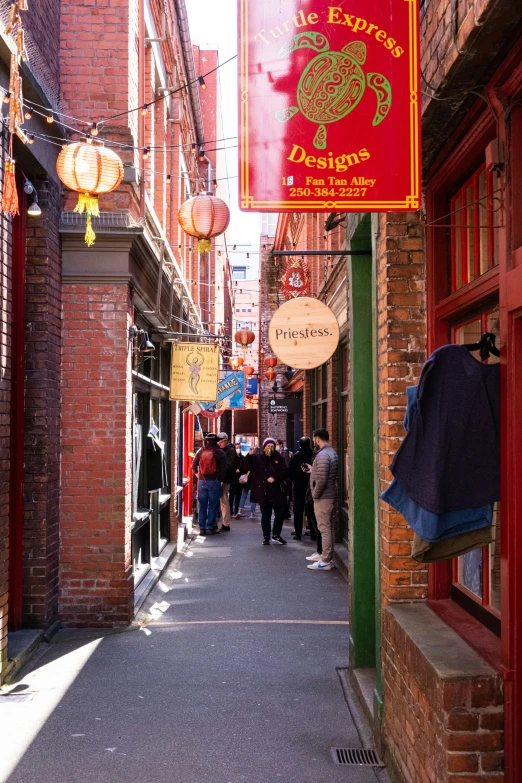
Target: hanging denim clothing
429	526
450	458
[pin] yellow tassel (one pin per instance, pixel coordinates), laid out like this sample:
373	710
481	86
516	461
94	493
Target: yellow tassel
89	204
90	236
10	195
204	246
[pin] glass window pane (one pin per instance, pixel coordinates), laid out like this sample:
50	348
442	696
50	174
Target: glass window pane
470	333
494	561
469	215
457	241
470	571
483	221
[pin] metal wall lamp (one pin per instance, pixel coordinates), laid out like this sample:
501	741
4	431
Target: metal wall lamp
145	345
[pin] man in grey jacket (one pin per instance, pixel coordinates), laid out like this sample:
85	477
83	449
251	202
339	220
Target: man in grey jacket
323	484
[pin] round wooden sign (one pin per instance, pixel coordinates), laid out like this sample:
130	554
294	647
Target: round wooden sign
303	333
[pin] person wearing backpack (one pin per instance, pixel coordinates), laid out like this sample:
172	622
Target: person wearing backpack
210	467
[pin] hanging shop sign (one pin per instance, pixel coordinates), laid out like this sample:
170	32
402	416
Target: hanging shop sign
296	280
230	392
303	333
194	372
292	405
252	386
329	105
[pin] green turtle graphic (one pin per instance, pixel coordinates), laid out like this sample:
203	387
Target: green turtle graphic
333	83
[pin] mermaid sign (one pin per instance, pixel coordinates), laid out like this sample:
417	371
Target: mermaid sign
194	372
329	105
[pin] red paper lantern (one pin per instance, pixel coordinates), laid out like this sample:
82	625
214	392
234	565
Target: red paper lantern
248	370
296	279
270	375
270	361
245	338
236	362
204	216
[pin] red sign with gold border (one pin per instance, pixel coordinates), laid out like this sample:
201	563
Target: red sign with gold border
329	105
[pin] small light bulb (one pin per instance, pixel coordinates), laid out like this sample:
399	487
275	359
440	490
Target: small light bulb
28	187
30	138
28	114
50	118
146	153
169	178
248	255
34	210
94	129
201	155
215	184
144	109
193	149
202	83
234	247
7	97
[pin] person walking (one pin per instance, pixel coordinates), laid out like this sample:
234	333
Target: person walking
210	467
268	471
231	467
236	489
300	480
323	483
286	455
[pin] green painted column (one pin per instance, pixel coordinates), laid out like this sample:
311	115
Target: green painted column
362	478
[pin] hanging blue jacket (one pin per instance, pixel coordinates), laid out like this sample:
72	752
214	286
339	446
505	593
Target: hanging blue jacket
429	526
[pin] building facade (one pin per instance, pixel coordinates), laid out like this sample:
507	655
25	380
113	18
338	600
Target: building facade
95	452
434	647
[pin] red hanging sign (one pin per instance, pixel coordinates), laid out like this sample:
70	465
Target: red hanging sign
329	105
296	280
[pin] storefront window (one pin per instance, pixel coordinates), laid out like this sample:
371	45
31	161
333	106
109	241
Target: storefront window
319	388
475	221
476	575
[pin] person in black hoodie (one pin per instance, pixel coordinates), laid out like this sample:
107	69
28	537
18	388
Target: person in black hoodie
301	482
268	472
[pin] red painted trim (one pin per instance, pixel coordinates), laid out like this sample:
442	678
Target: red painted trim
482	640
476	292
476	222
16	424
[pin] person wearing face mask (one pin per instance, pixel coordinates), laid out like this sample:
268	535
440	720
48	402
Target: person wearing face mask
268	471
236	489
323	483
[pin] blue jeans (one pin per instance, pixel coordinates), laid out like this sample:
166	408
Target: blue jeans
209	494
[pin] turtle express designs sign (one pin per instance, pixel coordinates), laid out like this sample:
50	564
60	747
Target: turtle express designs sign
194	372
329	105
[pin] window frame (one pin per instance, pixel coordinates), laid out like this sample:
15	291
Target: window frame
462	158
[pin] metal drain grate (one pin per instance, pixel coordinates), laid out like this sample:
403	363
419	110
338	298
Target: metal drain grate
356	757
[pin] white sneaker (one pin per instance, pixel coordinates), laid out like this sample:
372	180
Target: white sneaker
320	566
314	558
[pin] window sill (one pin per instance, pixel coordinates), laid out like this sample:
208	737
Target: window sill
479	638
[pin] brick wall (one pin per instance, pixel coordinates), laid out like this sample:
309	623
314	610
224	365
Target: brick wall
42	411
401	340
96	586
440	726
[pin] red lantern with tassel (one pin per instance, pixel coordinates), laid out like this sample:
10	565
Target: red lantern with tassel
270	361
245	338
270	375
236	362
204	216
248	370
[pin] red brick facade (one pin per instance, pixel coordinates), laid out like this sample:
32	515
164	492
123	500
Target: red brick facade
96	585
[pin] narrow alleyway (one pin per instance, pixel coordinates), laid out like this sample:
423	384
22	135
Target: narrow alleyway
231	677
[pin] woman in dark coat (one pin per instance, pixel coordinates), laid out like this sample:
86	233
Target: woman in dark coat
268	471
301	482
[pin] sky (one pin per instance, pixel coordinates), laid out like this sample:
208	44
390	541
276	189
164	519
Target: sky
213	25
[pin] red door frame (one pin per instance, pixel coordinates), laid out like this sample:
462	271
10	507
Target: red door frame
16	423
188	449
454	165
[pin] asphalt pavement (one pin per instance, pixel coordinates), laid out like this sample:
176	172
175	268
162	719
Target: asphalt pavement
231	673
